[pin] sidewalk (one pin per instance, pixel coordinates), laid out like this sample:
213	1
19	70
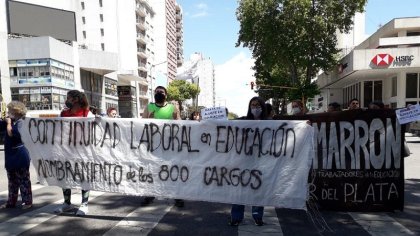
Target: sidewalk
411	138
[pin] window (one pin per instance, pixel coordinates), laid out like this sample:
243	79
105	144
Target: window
84	34
101	17
103	46
100	3
372	92
102	32
83	20
411	86
13	71
83	5
394	86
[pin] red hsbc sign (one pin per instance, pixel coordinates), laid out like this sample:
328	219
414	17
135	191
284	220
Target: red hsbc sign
382	60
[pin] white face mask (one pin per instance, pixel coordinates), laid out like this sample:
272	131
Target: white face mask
296	110
256	112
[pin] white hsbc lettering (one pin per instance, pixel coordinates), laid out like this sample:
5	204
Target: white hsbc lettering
403	60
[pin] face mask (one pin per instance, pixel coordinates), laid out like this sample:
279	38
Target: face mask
159	97
256	112
69	105
296	110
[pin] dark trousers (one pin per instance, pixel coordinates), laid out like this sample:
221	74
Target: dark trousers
19	179
237	212
67	196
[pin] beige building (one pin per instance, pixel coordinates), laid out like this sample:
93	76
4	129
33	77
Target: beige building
386	67
109	52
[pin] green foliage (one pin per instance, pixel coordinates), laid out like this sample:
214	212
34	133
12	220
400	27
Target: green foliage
180	90
291	40
232	116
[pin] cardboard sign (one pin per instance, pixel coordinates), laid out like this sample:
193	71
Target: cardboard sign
409	114
214	113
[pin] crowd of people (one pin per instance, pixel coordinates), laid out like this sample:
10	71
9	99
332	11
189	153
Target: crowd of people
17	159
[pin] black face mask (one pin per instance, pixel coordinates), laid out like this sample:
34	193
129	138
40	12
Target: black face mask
69	105
159	97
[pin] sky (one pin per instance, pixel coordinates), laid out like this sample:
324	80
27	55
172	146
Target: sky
211	28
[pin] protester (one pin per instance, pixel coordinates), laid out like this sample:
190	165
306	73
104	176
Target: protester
161	109
76	106
256	111
195	115
17	159
334	106
298	108
376	105
270	112
111	112
354	104
94	110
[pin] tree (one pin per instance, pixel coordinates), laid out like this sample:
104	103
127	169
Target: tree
180	90
292	40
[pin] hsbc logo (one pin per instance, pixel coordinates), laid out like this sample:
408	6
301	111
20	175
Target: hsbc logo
385	60
382	60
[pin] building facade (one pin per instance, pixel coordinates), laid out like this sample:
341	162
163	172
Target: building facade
385	67
168	34
112	60
200	70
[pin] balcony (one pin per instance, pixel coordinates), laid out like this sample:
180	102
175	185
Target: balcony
141	38
143	74
140	10
143	94
142	67
141	52
140	23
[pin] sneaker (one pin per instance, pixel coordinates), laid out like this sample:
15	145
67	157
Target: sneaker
179	203
147	200
83	210
259	222
234	222
26	206
6	205
63	208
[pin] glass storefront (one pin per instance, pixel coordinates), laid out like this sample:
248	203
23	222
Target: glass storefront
41	84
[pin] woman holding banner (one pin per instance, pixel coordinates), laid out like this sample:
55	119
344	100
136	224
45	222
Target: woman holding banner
76	106
256	111
17	159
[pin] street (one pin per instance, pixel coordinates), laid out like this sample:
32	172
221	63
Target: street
116	214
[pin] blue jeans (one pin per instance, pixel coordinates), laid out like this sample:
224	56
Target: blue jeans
237	212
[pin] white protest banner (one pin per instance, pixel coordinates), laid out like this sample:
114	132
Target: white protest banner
214	113
263	163
409	114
